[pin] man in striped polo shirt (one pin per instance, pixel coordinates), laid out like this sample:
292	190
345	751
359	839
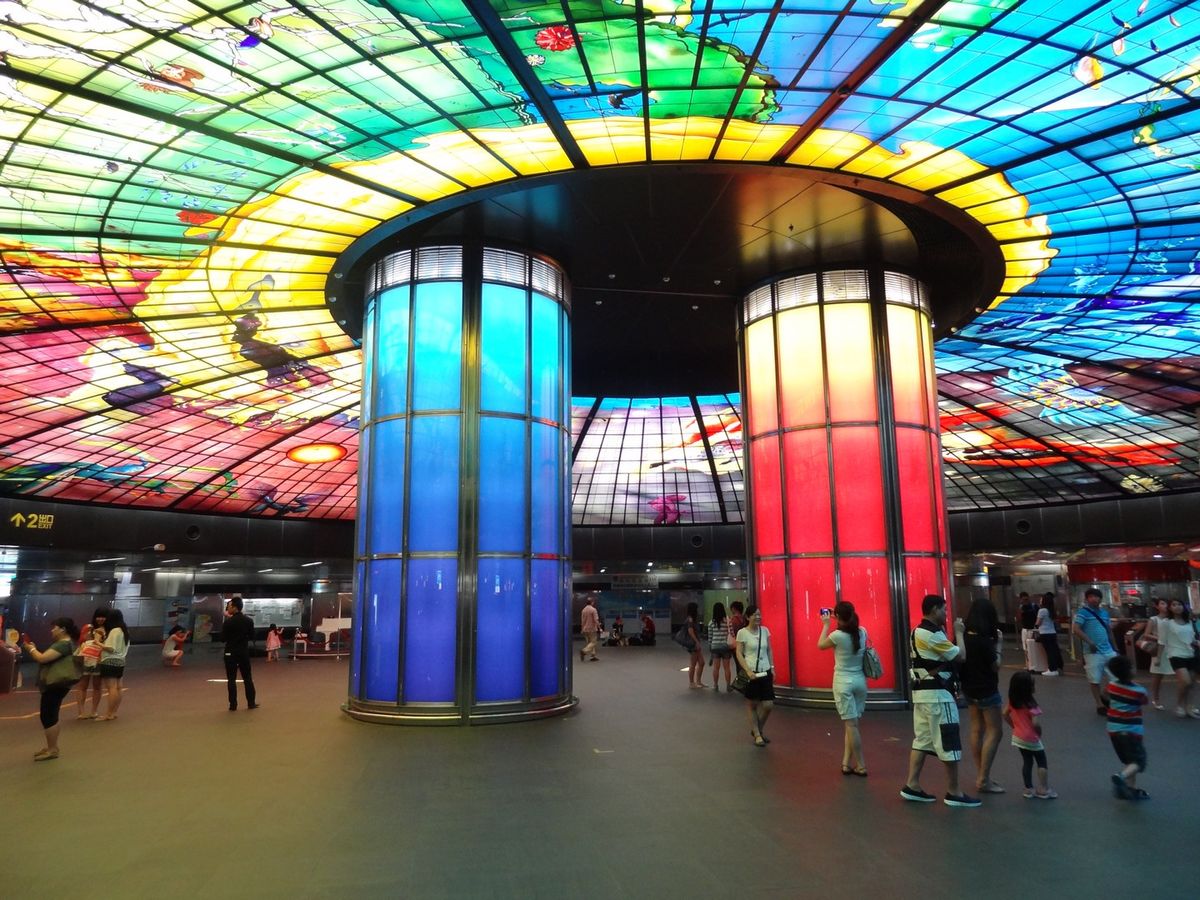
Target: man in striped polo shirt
1125	701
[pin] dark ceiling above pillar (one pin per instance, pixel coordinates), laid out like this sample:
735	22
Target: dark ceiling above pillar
658	256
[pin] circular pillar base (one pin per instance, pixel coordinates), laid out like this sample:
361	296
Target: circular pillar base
815	698
381	714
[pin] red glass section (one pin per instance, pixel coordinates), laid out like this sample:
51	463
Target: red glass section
812	589
768	502
858	488
810	521
802	374
772	600
850	357
924	578
866	584
916	489
761	405
939	495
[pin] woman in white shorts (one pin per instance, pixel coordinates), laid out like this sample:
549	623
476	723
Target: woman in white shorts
848	641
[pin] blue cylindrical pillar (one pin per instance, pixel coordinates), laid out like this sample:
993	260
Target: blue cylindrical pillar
462	579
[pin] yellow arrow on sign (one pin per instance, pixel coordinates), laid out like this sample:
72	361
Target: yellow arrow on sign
17	519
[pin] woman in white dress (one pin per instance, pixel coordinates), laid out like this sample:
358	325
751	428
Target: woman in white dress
1160	663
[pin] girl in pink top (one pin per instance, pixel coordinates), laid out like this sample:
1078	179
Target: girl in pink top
1021	712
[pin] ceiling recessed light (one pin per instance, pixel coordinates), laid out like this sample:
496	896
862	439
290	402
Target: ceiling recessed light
317	563
215	562
311	454
170	560
599	302
107	559
265	570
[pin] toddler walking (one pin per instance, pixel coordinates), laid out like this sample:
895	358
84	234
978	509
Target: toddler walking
1125	701
1021	712
274	642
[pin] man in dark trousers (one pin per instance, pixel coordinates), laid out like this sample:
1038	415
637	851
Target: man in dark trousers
237	633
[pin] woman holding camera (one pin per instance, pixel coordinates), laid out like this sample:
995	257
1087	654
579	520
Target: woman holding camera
848	641
56	676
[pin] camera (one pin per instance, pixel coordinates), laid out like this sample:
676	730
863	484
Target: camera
826	611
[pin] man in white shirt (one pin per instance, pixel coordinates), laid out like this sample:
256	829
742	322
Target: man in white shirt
935	714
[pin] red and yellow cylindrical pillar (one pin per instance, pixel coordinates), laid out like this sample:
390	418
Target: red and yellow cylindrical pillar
845	484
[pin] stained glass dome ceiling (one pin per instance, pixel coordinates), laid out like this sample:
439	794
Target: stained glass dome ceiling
178	179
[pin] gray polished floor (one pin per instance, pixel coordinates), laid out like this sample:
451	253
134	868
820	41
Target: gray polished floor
649	789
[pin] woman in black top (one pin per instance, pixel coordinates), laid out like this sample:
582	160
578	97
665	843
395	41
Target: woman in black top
981	686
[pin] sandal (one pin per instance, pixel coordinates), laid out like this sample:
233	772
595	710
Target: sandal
860	772
846	770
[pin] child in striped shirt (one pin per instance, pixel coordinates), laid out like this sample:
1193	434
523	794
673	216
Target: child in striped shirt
1125	701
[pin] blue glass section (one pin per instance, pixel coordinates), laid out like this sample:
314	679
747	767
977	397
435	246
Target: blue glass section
385	488
356	622
501	485
433	485
548	474
546	628
500	631
437	345
361	522
565	391
430	657
381	631
503	343
545	360
368	357
391	354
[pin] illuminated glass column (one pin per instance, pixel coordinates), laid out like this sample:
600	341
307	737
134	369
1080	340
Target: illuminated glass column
845	493
462	579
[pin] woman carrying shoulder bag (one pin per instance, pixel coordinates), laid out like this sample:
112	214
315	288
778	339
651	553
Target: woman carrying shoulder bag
753	650
57	674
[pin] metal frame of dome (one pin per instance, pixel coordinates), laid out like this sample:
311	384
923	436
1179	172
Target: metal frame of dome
176	184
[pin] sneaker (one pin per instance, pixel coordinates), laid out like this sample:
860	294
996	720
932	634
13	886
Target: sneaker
1180	712
1120	788
961	800
1194	714
916	795
1049	795
1028	793
1138	794
1051	674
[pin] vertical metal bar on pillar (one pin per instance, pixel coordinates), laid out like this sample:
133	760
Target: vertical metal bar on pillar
468	504
893	517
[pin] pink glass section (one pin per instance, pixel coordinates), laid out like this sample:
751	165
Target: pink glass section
810	521
850	356
762	408
768	503
939	495
802	373
916	489
812	589
858	488
772	600
865	583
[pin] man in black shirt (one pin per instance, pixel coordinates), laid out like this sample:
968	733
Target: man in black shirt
1028	611
237	633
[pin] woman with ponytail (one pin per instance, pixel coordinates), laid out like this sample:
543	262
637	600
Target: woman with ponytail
848	641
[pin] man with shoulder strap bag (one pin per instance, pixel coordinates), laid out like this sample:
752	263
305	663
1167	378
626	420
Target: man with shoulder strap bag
935	713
